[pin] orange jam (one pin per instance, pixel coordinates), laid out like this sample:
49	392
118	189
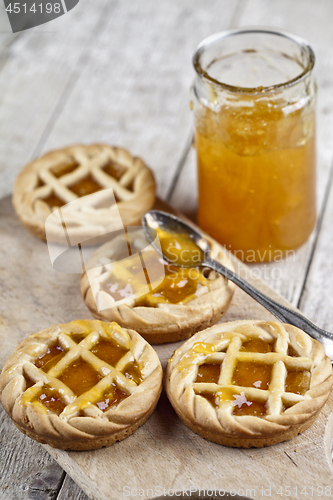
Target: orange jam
211	397
249	374
28	382
54	201
291	352
180	284
178	287
114	170
256	345
85	186
61	170
256	175
250	407
78	337
133	372
128	277
297	381
286	405
180	249
108	351
51	400
50	358
80	377
111	397
209	373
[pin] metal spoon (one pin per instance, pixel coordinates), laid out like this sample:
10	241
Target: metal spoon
156	219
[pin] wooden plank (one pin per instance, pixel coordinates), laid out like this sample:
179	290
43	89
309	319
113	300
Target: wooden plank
317	298
287	276
163	452
71	491
40	70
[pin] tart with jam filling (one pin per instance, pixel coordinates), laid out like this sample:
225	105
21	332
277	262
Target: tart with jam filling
81	385
50	183
126	281
249	383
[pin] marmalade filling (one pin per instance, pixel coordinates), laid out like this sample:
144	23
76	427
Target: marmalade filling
51	400
108	351
297	381
80	377
257	345
50	358
247	374
180	248
111	397
209	373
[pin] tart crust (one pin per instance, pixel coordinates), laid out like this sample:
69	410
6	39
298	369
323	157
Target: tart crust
91	216
167	322
214	410
86	420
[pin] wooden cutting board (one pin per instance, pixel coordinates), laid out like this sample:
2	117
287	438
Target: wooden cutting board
163	455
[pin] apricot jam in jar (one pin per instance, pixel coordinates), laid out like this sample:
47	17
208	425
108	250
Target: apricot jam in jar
254	108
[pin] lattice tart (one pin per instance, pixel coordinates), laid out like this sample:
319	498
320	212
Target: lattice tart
249	383
185	301
81	385
72	173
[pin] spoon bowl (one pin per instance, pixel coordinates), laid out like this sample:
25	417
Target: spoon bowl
158	220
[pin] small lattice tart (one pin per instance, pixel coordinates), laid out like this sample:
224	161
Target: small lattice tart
187	300
72	173
81	385
249	383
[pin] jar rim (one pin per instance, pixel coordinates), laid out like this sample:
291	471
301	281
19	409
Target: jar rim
212	39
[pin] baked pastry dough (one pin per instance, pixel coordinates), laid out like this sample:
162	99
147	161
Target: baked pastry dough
71	173
81	385
186	301
249	383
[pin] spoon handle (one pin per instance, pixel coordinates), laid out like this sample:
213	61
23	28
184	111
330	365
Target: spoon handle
278	310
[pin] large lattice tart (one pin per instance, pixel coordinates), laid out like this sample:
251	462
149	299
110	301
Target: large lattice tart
71	173
249	383
81	385
162	315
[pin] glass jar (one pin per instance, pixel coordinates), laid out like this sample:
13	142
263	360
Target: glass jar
254	108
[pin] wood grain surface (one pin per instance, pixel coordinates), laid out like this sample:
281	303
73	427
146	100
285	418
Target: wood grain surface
120	71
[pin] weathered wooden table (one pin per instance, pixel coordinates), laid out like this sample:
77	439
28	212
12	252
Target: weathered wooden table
119	72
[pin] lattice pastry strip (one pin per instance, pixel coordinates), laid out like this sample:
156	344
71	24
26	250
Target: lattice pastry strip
81	385
249	383
88	166
72	173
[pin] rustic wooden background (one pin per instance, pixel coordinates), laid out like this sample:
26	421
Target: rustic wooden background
120	72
